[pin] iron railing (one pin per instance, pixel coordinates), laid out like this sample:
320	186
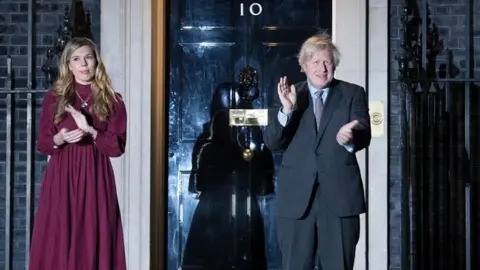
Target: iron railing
9	172
440	193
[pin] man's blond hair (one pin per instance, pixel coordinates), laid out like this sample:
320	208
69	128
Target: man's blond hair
315	43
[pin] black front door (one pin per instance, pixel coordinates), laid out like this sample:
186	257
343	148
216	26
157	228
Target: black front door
220	198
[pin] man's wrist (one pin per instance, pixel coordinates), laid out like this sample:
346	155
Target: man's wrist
286	111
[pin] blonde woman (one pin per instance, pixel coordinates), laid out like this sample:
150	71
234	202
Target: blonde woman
83	124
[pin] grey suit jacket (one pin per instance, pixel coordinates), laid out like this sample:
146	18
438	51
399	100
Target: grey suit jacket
310	155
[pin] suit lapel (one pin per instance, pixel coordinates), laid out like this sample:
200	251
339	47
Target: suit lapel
333	99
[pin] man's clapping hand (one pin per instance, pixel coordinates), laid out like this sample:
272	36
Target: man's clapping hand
287	95
345	134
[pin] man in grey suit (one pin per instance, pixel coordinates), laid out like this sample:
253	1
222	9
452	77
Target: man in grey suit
320	124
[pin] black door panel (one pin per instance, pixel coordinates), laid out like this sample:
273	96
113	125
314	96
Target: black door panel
220	206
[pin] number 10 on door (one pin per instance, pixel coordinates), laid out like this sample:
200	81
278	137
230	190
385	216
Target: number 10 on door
254	9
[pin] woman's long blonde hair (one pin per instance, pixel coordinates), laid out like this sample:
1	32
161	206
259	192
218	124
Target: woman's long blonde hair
64	87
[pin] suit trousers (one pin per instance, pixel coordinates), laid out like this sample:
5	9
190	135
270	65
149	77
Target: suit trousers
318	234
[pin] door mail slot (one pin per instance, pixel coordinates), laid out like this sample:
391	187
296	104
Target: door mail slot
248	117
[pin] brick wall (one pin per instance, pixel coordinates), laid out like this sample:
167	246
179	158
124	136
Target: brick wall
449	16
14	41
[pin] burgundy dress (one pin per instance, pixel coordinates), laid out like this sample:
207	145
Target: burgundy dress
78	224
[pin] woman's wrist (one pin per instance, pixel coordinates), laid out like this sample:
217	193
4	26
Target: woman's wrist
58	139
93	132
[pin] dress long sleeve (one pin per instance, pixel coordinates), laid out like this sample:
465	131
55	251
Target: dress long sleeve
112	141
47	128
